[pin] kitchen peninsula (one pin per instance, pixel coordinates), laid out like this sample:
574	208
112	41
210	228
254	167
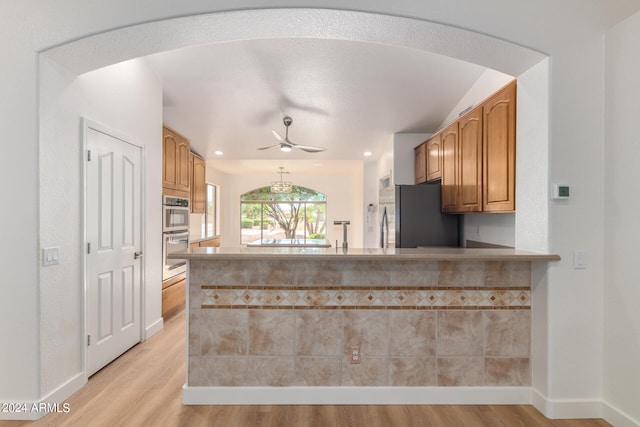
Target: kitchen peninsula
281	325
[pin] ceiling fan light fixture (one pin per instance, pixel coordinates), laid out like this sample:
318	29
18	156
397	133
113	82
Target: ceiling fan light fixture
286	145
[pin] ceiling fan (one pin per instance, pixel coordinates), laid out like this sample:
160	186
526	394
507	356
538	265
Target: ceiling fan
286	145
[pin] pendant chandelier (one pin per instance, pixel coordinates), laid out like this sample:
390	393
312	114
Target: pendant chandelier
281	187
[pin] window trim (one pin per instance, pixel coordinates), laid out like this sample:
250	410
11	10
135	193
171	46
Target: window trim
205	224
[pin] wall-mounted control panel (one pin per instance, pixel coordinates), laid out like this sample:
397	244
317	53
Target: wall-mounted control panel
561	192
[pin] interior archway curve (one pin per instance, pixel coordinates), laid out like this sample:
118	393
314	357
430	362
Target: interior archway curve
122	44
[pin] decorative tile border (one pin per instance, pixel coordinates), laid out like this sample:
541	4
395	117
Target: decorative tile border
355	297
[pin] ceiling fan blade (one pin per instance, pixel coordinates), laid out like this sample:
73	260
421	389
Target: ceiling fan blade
310	148
277	136
270	146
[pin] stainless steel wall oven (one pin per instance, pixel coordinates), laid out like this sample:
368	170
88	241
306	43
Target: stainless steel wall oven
175	234
175	214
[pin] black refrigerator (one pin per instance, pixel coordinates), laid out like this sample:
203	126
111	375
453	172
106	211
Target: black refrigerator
417	219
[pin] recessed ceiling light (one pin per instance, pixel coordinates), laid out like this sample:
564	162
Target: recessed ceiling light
218	153
367	153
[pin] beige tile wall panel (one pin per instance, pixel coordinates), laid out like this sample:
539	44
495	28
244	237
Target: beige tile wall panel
292	322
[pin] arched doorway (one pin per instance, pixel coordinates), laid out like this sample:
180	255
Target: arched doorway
109	48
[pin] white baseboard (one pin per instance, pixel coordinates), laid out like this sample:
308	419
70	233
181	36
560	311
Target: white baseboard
153	329
616	417
355	395
560	409
53	402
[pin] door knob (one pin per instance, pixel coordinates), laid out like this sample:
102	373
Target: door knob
137	255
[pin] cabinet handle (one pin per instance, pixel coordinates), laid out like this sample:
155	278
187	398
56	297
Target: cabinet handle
137	255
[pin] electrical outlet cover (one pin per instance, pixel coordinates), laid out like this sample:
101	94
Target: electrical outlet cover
355	355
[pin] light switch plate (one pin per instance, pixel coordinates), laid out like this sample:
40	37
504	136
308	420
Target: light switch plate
579	260
50	256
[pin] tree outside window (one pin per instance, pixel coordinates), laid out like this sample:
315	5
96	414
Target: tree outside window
269	218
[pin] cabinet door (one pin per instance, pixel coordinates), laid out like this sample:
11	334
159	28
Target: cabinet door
434	158
450	168
470	162
420	163
169	149
198	185
210	243
499	151
183	165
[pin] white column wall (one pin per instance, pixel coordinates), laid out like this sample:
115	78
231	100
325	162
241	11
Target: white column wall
575	296
622	203
19	234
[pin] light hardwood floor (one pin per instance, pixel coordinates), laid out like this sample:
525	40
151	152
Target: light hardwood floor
143	387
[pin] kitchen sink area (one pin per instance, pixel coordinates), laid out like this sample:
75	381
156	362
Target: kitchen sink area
309	243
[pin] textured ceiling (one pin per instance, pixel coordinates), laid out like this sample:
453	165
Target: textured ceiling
350	80
346	96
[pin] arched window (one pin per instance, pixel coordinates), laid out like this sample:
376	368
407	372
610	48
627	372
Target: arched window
283	219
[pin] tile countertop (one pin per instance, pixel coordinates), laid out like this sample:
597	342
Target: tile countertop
433	253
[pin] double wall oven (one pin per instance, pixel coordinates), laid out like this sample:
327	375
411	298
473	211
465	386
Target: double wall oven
175	234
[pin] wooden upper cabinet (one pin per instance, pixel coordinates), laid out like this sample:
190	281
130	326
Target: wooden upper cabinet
499	151
176	163
478	157
183	165
169	149
450	168
434	158
470	162
198	184
420	163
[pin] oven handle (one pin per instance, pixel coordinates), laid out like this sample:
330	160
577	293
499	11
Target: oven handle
178	236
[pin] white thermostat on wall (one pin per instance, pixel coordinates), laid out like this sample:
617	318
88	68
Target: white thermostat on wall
561	191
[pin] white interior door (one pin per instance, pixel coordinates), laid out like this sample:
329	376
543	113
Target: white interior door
113	266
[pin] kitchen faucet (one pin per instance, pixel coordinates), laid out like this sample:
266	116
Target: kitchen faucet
344	224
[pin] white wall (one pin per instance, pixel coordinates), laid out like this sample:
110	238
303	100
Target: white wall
497	229
575	296
532	159
487	84
344	202
19	234
128	99
532	214
371	184
570	32
622	234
